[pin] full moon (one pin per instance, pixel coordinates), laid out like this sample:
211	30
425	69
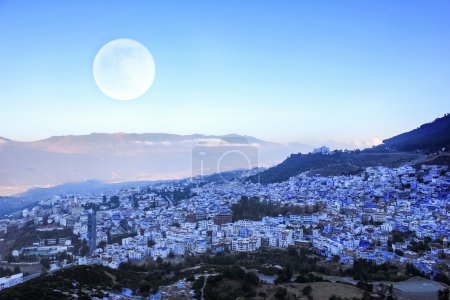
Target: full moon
124	69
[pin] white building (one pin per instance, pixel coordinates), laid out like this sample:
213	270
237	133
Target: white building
246	244
322	150
285	238
9	281
328	245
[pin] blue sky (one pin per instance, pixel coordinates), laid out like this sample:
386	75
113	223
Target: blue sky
307	71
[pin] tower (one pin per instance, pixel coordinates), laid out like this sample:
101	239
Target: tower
92	231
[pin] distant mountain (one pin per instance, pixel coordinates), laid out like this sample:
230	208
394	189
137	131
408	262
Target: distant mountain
3	140
430	137
406	147
122	157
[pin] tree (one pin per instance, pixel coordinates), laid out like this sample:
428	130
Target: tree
102	244
45	262
117	287
251	279
10	258
280	293
441	277
197	286
307	290
288	272
334	297
444	294
365	286
292	252
412	270
144	287
84	250
5	272
262	295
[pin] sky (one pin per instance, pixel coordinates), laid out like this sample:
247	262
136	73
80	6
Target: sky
317	72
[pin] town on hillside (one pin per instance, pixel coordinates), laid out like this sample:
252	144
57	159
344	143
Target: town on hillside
383	216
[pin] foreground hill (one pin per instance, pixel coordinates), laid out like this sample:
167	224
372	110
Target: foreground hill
83	282
227	280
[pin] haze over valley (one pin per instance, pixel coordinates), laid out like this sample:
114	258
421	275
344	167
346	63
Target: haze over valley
123	157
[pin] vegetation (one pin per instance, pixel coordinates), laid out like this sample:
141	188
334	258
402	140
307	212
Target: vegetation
444	294
232	283
7	272
175	195
307	290
430	137
254	209
336	163
413	271
287	262
369	271
197	286
232	277
334	297
29	234
83	280
441	277
118	238
84	249
309	277
280	293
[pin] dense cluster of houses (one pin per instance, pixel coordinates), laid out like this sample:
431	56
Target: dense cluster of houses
357	218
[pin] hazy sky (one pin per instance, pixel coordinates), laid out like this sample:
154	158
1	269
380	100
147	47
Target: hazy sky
308	71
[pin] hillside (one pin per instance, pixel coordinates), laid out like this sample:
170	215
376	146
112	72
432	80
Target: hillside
430	137
83	281
232	276
337	163
407	147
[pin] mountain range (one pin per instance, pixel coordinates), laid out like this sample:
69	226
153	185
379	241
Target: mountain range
122	157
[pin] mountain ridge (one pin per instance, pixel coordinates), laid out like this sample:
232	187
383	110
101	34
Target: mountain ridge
409	147
429	137
118	157
150	135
